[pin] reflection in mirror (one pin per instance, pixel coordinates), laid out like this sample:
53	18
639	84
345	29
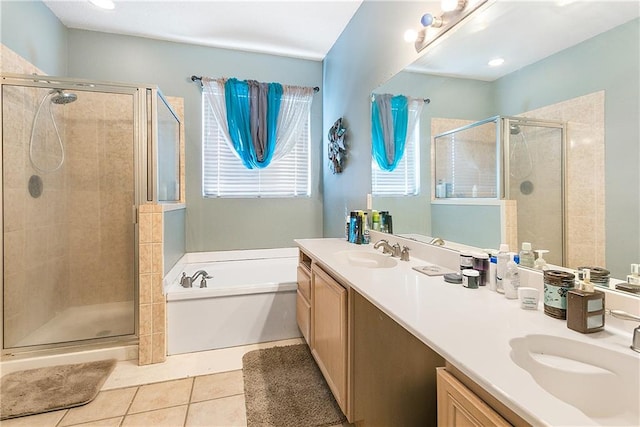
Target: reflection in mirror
591	86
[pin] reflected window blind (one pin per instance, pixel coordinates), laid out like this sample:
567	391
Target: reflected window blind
224	175
404	180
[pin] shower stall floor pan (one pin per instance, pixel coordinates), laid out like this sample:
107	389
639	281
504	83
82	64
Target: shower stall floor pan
84	323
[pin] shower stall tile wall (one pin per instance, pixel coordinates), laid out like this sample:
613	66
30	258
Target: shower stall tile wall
78	268
152	345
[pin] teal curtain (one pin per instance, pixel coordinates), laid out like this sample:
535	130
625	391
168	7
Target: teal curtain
252	117
389	118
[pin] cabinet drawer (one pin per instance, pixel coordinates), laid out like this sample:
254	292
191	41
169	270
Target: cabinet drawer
304	283
303	315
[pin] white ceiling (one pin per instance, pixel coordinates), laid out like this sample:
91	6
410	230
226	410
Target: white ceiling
522	33
301	29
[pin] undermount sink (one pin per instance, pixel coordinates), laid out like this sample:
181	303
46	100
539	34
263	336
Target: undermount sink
367	259
604	384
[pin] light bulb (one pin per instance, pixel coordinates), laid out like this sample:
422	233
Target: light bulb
428	20
451	5
496	62
410	36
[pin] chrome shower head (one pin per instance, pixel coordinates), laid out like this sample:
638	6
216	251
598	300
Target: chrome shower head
59	97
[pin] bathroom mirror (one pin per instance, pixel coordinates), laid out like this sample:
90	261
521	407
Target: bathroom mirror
588	79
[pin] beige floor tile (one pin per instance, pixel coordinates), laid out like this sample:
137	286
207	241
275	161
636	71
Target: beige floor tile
227	412
48	419
214	386
162	395
168	417
108	404
109	422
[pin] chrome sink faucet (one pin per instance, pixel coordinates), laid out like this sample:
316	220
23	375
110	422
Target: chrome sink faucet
635	342
394	250
437	241
187	282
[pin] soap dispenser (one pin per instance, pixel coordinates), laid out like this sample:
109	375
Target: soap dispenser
527	258
585	307
540	263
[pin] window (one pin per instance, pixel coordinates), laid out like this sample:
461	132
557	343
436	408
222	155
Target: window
404	180
224	175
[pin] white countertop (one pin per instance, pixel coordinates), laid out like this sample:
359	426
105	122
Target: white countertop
471	328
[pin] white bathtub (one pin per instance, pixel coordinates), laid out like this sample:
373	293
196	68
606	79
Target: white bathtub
250	299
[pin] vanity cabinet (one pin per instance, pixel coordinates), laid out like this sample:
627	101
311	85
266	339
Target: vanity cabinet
303	297
462	402
458	406
329	332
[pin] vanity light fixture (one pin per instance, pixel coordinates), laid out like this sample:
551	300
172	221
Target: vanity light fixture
103	4
410	36
453	12
451	5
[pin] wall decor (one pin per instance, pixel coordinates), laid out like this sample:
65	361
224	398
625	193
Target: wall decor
337	146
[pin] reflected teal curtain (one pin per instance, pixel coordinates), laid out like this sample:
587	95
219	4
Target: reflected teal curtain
252	116
389	118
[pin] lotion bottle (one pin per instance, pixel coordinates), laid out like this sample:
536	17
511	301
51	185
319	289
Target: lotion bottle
511	281
527	258
540	263
501	268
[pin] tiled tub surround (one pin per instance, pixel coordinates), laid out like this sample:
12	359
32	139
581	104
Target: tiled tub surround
250	298
471	328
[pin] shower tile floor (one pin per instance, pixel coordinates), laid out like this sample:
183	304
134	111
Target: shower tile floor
195	389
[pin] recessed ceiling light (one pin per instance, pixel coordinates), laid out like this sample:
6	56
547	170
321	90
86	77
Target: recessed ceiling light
103	4
496	62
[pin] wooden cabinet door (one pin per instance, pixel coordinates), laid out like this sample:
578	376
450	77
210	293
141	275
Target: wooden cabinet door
329	335
303	315
458	406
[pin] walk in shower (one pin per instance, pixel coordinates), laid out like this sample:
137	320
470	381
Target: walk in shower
514	159
77	160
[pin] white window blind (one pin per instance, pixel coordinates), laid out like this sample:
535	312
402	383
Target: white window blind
404	180
224	175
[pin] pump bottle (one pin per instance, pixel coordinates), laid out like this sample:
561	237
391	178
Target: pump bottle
501	268
527	258
511	281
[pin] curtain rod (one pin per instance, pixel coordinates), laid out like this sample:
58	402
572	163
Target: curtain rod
199	78
373	98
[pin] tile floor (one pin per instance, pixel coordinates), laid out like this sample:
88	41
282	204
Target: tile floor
197	389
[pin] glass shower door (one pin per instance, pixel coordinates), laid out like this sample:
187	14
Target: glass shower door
535	181
68	227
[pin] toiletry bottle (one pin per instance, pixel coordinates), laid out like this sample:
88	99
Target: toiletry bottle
511	281
375	220
366	238
493	266
359	229
585	307
503	259
440	190
527	258
540	263
634	277
352	227
347	227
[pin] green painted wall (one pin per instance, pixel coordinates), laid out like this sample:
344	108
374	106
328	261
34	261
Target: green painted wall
477	226
31	30
212	224
609	62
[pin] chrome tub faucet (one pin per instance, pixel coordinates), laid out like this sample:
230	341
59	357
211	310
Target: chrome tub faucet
187	282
